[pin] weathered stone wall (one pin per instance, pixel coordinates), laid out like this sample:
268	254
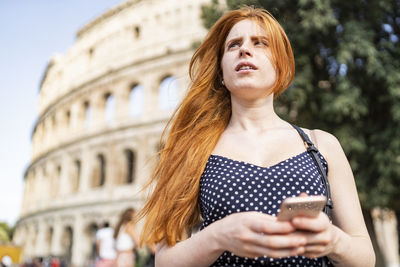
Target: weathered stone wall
102	108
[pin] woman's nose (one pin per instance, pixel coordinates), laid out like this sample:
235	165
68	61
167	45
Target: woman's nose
244	51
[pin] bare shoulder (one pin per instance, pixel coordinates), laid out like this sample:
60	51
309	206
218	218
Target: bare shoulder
326	140
322	139
329	146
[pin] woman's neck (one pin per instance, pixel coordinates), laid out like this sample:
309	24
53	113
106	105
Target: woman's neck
254	116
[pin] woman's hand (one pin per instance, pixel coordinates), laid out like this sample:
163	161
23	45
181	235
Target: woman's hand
320	234
253	234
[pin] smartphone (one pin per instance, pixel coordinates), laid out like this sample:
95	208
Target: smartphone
308	206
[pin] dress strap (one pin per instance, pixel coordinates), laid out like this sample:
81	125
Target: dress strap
313	151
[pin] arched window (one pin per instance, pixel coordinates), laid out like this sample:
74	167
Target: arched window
110	106
53	122
67	118
49	238
136	31
98	176
76	175
86	106
67	242
168	94
130	159
55	182
90	233
102	168
136	100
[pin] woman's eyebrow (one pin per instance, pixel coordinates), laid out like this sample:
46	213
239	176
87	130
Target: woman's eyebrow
234	40
259	37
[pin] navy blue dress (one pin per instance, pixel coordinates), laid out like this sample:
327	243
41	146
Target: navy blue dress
228	186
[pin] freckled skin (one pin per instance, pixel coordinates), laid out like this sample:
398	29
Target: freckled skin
248	42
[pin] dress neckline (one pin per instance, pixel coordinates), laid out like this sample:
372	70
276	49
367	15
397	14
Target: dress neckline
258	166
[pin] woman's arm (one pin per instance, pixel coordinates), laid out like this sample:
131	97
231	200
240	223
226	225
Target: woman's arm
346	242
246	234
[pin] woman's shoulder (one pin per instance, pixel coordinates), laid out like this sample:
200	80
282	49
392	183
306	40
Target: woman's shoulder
324	139
327	143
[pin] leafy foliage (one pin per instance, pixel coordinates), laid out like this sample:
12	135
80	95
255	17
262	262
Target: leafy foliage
6	233
347	81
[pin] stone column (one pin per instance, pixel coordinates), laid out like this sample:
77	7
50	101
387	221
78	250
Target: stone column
40	138
27	193
98	109
38	183
47	133
76	117
56	246
29	245
63	179
65	123
121	94
150	87
78	245
143	154
40	240
86	169
113	165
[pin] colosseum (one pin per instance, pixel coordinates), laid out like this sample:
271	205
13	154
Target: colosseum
102	107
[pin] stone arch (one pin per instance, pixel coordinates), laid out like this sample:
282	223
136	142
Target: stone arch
86	113
130	157
99	171
48	239
109	107
32	237
53	125
30	189
168	93
136	100
67	119
42	183
76	175
55	181
67	243
90	233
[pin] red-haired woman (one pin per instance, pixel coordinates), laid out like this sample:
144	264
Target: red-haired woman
229	161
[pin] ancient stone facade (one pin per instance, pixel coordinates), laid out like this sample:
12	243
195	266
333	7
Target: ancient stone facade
102	108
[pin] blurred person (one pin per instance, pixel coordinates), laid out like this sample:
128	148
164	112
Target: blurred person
126	239
37	262
229	161
6	261
105	246
55	262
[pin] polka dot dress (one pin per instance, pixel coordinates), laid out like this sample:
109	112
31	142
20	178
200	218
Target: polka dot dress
228	186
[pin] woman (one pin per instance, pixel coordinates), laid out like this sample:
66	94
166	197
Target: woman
229	161
126	239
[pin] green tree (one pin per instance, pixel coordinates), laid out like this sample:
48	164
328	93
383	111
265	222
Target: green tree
6	233
347	82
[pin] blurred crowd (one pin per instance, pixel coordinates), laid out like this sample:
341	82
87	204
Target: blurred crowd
115	247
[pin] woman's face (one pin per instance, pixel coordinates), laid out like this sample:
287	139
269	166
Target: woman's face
246	64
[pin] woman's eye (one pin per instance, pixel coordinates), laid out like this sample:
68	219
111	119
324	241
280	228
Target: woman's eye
261	43
233	44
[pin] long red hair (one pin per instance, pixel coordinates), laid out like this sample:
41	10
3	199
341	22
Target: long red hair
197	124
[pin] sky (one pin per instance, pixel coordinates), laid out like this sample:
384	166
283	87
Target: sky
30	33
